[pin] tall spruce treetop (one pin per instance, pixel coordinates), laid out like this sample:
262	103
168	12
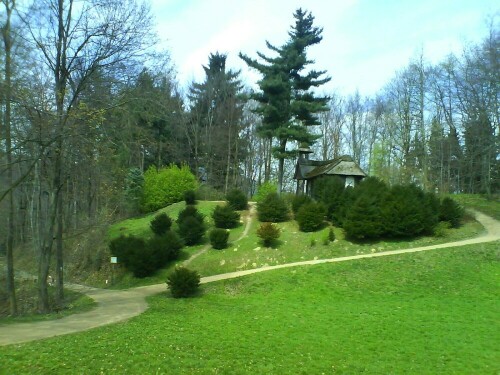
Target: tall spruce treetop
286	101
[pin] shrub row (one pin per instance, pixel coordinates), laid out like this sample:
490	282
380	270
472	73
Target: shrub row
142	257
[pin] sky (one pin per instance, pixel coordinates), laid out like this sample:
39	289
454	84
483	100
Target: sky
364	41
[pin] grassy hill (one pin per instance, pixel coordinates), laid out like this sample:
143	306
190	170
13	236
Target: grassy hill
425	313
248	252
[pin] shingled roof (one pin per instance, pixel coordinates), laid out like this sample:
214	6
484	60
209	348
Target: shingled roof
343	166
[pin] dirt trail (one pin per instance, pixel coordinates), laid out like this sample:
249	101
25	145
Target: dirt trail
119	305
248	223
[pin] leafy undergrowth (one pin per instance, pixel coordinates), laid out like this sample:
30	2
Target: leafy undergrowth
423	313
489	207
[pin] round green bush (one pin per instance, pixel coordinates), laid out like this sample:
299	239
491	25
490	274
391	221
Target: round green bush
311	216
190	197
125	248
218	238
272	208
268	232
331	235
160	224
364	218
190	211
237	199
298	201
191	229
451	212
165	248
264	190
183	282
225	217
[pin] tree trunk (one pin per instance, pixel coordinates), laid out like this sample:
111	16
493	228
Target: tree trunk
11	290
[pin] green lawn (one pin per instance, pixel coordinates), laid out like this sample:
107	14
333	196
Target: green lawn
294	246
139	226
248	253
425	313
489	207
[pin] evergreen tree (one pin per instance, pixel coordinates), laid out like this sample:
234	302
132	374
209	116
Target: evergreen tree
216	112
286	102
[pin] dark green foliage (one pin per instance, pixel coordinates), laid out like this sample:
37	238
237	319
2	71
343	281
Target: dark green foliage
218	238
225	217
272	208
183	282
364	218
346	200
190	211
237	199
125	248
165	248
329	190
190	197
160	224
144	258
191	229
331	235
311	216
298	201
431	213
451	211
268	232
144	263
403	212
287	100
133	189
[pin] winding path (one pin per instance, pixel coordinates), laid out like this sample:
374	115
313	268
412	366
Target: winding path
119	305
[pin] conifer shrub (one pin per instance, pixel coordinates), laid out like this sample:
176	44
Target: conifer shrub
451	212
298	200
160	224
183	282
441	229
264	190
364	218
237	199
329	190
165	248
268	233
144	262
190	211
311	216
225	217
272	208
191	229
331	235
403	211
430	209
190	197
218	238
125	249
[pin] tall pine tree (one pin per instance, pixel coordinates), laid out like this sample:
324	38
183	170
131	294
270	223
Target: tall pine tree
215	118
286	101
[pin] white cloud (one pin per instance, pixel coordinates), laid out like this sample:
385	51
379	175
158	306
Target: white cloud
364	41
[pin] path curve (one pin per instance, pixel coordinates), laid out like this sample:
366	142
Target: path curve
248	224
119	305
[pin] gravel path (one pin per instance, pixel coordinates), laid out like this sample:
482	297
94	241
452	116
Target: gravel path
119	305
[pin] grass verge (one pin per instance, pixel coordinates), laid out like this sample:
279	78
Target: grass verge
423	313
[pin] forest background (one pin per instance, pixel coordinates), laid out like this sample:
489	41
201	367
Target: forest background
89	103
